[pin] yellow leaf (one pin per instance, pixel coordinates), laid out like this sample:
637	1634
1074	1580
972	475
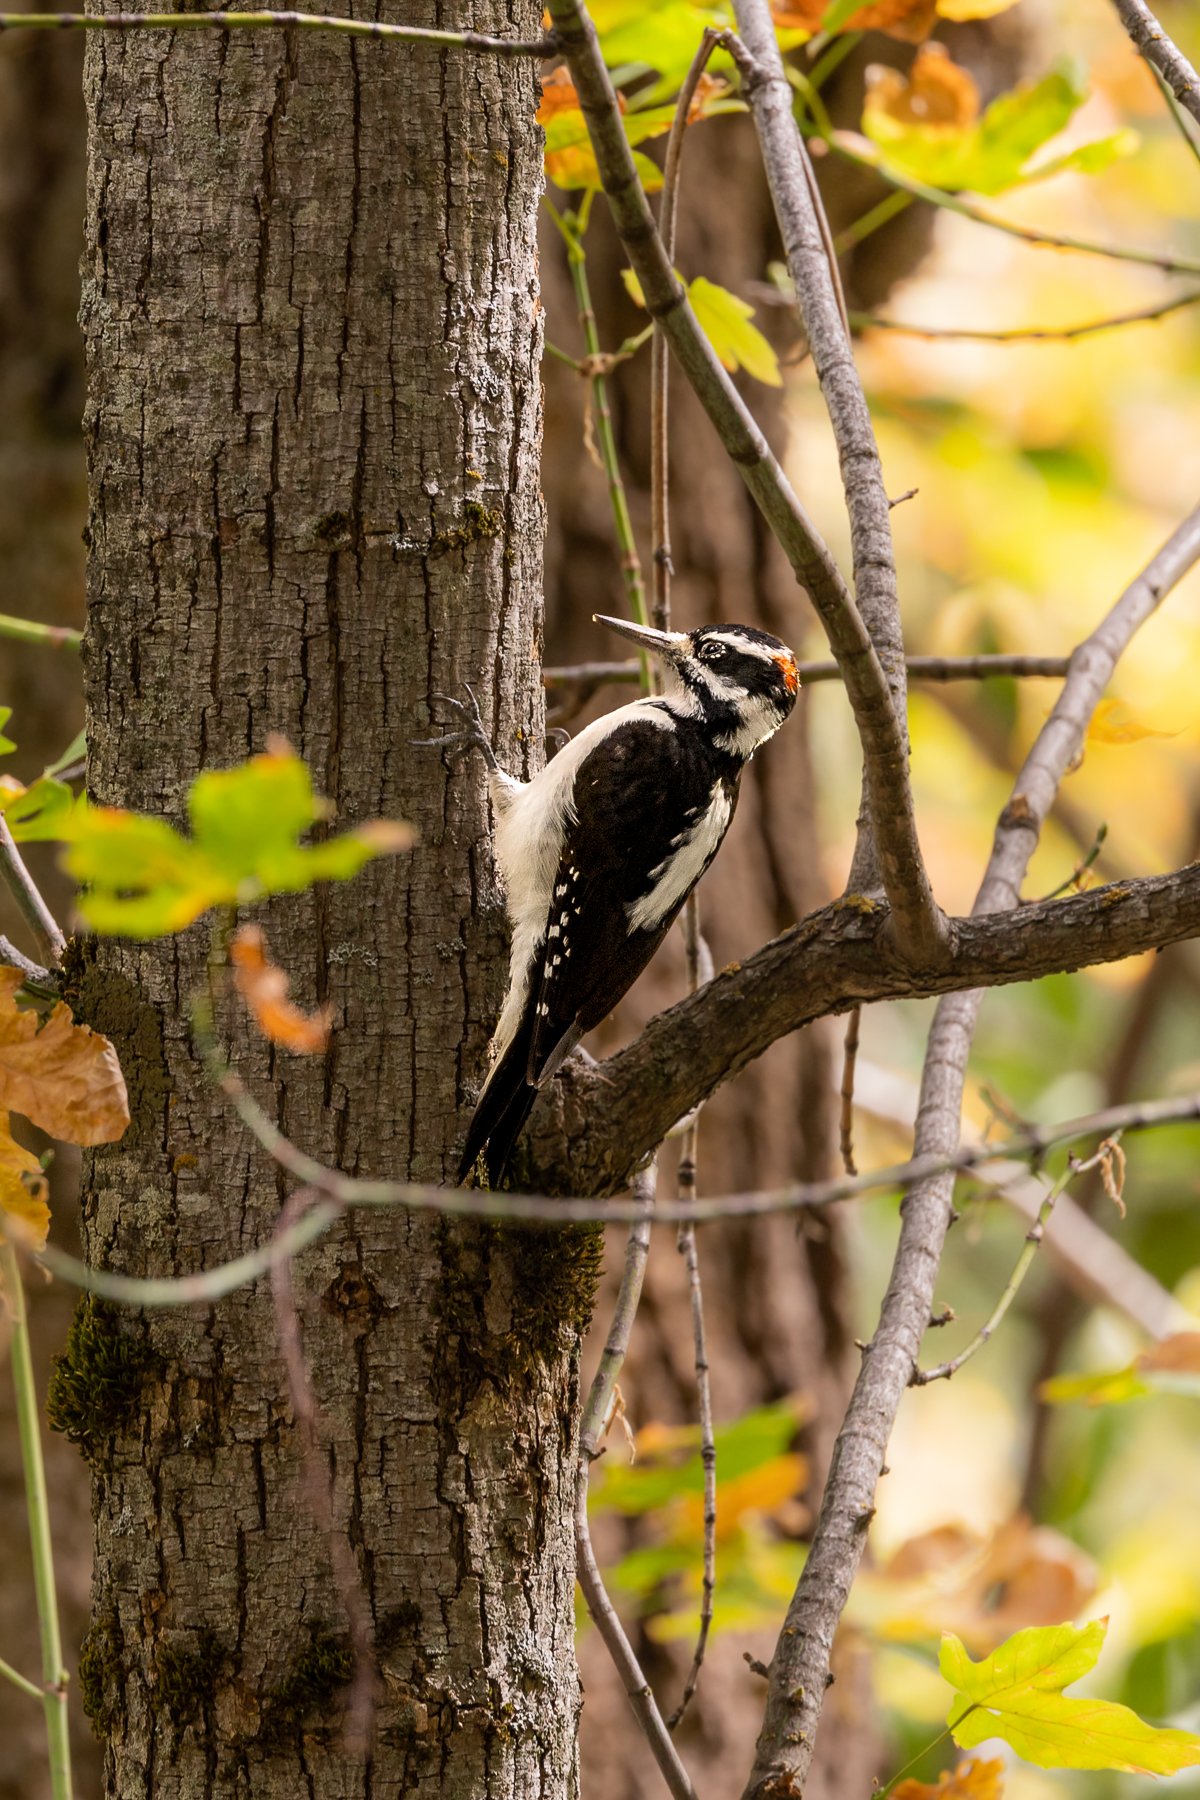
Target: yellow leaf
22	1192
264	988
64	1078
725	321
969	1781
1016	1694
1115	723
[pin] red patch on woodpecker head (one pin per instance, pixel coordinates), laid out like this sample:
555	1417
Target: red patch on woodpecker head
787	667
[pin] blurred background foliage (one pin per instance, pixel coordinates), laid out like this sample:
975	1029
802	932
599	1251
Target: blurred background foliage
1046	473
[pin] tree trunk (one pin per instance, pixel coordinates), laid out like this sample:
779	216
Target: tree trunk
312	326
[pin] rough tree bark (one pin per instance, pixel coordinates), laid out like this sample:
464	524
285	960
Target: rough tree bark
311	314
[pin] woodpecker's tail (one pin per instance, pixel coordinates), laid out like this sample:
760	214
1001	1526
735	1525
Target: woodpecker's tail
501	1110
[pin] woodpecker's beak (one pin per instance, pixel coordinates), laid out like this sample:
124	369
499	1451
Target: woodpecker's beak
670	645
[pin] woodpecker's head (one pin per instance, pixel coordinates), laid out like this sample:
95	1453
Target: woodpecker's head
740	681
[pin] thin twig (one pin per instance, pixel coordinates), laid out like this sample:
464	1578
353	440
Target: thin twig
1178	116
1162	53
318	1486
1033	1240
34	972
32	631
53	1693
846	1122
592	675
801	1663
878	724
8	1673
591	1430
27	894
883	855
1022	334
1075	878
343	1191
543	47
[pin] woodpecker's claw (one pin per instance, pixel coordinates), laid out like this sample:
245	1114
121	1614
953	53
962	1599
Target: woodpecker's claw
471	735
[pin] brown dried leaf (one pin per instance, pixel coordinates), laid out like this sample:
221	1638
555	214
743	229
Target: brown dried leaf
936	91
949	1579
969	1781
709	89
264	988
64	1078
22	1192
910	21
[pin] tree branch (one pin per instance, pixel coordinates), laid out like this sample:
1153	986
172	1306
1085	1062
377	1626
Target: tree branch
798	1672
1160	51
879	727
28	896
614	1113
892	855
259	21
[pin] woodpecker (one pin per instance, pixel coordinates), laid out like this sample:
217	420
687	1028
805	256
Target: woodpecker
600	850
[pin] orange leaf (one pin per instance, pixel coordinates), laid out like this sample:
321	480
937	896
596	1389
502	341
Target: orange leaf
264	988
768	1489
22	1192
64	1078
1179	1353
709	89
936	91
969	1781
910	21
1115	723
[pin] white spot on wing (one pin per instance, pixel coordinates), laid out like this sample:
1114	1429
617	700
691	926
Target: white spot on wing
677	875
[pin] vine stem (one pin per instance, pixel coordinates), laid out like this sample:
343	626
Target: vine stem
54	1692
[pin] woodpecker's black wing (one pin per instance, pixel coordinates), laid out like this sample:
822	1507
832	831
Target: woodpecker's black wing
650	805
650	809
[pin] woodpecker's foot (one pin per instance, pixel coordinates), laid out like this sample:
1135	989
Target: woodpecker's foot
471	734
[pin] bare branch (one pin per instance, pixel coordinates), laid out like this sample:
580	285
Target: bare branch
879	726
846	1094
1162	53
589	676
888	853
27	894
1026	334
13	958
801	1664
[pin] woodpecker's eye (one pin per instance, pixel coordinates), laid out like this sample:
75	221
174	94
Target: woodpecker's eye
712	652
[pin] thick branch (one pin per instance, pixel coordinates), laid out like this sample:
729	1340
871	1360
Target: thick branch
879	728
1165	55
801	1663
838	958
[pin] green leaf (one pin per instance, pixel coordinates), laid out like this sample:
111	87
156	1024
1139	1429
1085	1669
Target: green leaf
6	743
144	879
39	813
1016	1694
993	154
75	752
725	321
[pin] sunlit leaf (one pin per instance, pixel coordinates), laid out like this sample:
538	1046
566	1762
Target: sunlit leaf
921	127
63	1077
969	1781
6	743
39	813
959	10
570	160
142	878
264	988
725	321
1016	1694
22	1192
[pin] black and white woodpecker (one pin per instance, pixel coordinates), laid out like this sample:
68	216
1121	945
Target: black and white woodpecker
600	850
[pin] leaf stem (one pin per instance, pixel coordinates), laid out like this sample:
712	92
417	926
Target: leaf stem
258	21
54	1694
32	631
912	1762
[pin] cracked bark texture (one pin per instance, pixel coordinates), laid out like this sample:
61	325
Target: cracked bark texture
312	325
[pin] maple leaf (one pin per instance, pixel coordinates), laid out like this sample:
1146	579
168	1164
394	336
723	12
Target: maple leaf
264	987
1016	1694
